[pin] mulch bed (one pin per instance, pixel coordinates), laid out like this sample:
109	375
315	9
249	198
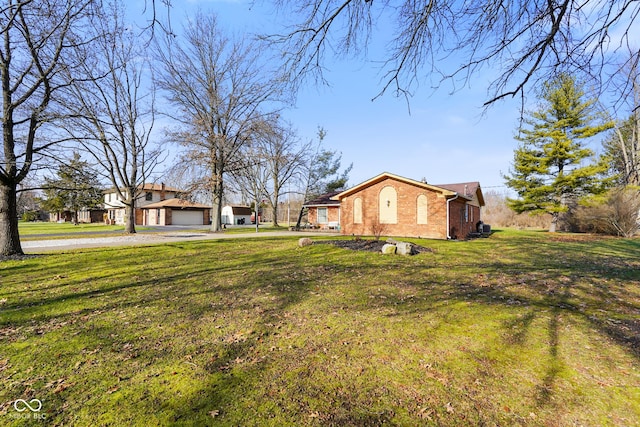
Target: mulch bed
367	245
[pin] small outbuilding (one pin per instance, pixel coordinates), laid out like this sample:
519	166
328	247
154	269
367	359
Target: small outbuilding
236	215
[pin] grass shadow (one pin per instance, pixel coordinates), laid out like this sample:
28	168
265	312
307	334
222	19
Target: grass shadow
260	330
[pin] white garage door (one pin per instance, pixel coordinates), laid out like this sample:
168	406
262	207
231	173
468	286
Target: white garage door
186	217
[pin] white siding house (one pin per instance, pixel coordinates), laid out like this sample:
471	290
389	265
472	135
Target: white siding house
149	193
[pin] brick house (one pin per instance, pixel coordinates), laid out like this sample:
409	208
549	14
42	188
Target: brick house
324	211
94	215
400	206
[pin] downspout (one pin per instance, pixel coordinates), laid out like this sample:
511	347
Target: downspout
448	228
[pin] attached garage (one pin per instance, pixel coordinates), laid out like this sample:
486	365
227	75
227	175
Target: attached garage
176	212
186	217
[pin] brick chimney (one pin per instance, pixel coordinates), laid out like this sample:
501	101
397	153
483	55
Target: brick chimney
162	192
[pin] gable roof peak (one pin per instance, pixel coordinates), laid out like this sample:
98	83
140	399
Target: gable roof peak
386	175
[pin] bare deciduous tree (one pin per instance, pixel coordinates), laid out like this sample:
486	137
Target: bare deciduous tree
37	39
284	158
623	146
218	87
251	179
527	41
115	111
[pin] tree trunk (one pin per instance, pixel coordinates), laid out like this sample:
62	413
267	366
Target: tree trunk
302	209
130	218
9	235
216	207
216	215
274	212
554	222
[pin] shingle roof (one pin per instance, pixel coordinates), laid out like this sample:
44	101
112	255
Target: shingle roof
149	187
241	210
324	200
467	189
158	187
175	203
386	175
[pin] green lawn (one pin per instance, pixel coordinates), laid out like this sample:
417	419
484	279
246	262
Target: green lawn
32	228
263	228
523	328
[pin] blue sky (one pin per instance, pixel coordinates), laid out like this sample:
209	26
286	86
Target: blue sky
442	137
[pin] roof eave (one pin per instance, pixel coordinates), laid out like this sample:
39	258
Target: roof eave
386	175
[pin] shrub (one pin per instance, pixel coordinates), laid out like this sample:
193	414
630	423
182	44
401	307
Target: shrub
30	216
497	213
377	229
616	214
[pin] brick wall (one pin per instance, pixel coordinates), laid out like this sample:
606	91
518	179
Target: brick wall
406	203
333	215
463	218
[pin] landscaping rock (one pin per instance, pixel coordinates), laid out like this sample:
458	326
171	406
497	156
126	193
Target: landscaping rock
404	248
388	249
305	241
367	245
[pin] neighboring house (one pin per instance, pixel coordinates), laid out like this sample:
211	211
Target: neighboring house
323	212
236	215
149	193
392	205
84	216
175	212
64	216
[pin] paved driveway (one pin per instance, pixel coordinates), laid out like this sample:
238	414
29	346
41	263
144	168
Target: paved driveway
139	239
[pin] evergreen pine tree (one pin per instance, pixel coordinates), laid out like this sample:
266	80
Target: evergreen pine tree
77	187
552	166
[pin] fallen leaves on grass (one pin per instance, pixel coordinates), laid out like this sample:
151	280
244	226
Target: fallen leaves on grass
113	390
60	385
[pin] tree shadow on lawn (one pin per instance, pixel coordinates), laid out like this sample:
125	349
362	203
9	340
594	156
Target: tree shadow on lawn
576	278
536	282
567	280
180	295
149	287
274	284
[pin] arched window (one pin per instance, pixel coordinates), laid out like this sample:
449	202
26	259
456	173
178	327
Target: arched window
388	206
421	209
357	210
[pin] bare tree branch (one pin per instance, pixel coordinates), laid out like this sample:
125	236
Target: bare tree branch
115	110
220	89
38	41
526	41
